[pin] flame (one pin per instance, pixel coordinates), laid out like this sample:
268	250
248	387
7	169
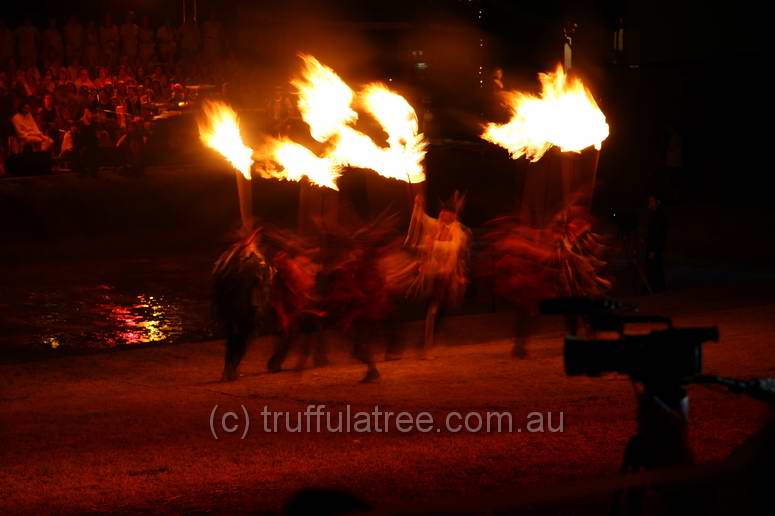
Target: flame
324	99
565	115
406	147
326	106
221	132
298	161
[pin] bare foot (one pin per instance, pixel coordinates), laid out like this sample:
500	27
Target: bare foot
372	375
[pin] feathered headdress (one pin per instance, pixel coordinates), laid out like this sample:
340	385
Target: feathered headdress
454	203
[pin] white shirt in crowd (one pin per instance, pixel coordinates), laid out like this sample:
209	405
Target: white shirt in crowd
28	132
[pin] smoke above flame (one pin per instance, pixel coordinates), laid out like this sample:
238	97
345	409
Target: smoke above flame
564	115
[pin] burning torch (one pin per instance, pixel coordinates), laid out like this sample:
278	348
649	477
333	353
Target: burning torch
564	115
220	131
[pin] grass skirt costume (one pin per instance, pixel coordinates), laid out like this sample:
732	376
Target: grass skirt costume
528	264
263	282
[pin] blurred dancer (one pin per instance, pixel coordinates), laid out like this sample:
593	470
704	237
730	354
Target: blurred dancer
295	300
365	272
242	282
266	282
519	263
530	264
442	247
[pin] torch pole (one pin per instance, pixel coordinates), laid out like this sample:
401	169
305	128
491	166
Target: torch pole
594	178
410	190
566	178
245	193
412	221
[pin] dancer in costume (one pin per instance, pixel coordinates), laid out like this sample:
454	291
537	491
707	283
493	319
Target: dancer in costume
242	283
527	264
264	282
366	271
442	249
295	300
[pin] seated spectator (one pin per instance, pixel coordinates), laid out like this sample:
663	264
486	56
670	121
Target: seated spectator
82	70
62	77
68	142
103	78
124	74
178	95
133	106
159	92
33	79
84	79
91	99
47	83
147	96
158	74
20	85
83	97
28	131
147	83
105	99
73	71
147	104
120	92
47	115
121	115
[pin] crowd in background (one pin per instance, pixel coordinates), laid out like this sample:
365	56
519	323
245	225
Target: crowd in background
69	87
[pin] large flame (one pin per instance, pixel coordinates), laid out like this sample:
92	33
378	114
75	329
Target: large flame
406	147
326	105
565	115
220	131
324	99
298	161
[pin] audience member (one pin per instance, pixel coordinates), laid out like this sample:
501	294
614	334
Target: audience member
77	91
27	130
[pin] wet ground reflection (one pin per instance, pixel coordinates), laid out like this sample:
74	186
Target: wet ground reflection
159	301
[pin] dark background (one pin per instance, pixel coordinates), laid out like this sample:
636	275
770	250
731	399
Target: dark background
696	67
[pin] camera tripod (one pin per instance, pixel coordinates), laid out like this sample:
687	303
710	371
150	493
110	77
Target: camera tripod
660	438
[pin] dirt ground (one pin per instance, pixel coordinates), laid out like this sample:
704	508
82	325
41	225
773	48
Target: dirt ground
130	431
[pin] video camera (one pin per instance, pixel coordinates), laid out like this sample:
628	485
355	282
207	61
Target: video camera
674	353
600	315
664	355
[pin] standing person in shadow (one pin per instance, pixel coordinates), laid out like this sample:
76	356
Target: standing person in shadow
656	235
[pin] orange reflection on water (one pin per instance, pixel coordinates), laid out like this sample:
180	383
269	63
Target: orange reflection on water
147	320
